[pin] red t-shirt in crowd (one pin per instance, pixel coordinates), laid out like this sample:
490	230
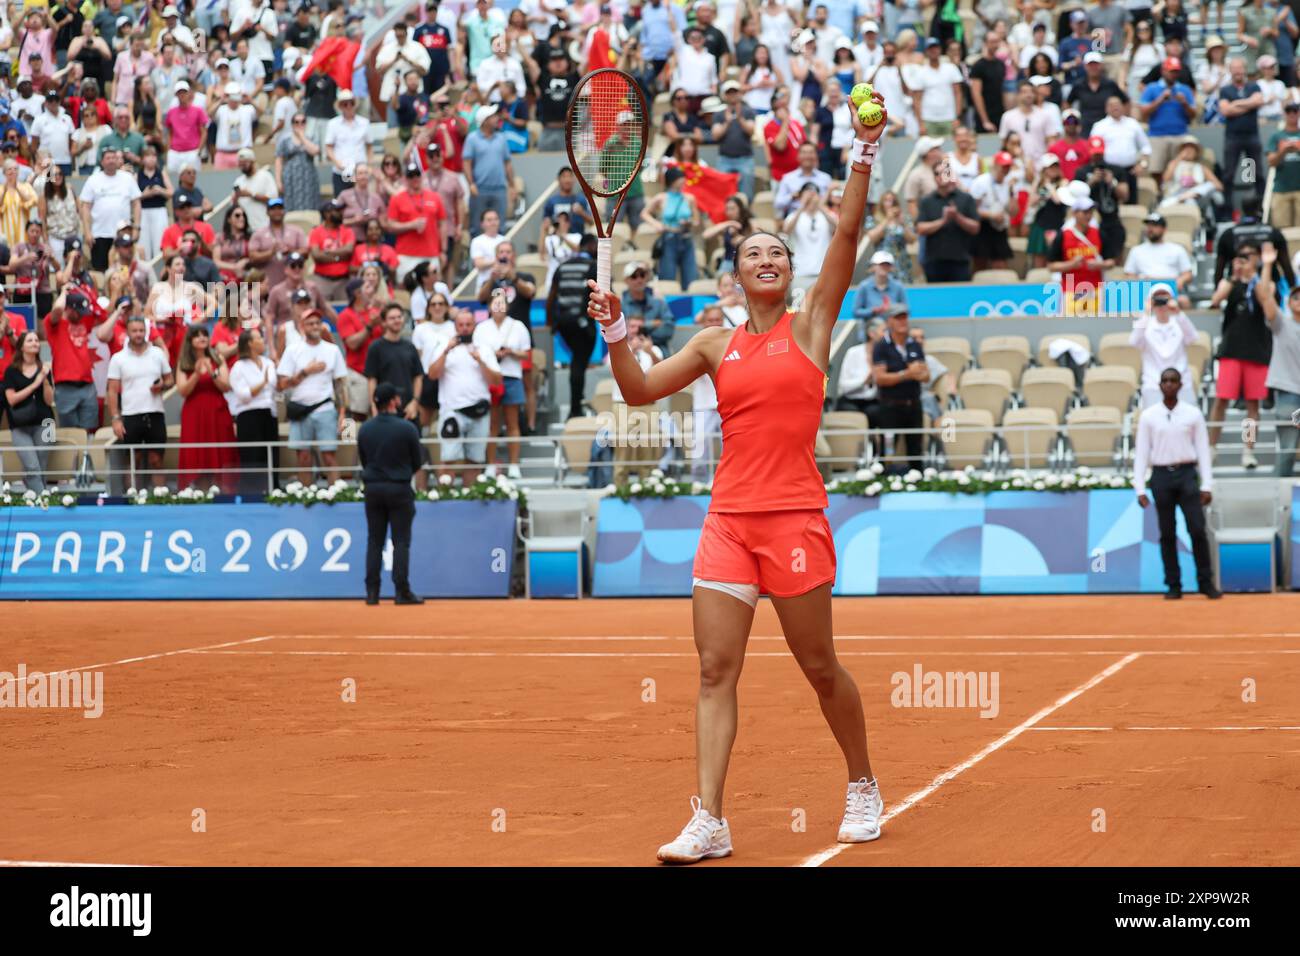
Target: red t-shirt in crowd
786	160
325	238
117	337
382	253
224	335
70	347
17	326
350	323
1073	156
172	235
447	135
405	207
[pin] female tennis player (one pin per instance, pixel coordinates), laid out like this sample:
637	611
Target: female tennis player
766	531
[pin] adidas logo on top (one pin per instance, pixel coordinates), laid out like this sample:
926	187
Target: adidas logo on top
732	356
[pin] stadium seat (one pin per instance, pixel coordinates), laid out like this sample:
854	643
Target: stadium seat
1040	276
1183	239
1111	385
621	232
1019	255
645	240
762	206
1184	217
530	262
666	287
642	423
953	351
1030	436
846	433
766	224
822	450
11	468
1047	387
602	400
995	277
573	450
681	403
1148	191
1044	358
1009	352
1114	349
965	434
304	219
1133	209
703	287
1092	432
986	388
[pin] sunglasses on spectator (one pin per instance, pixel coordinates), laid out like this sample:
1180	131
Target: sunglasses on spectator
639	274
300	122
293	265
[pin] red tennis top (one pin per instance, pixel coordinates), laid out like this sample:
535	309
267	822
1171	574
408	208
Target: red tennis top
770	398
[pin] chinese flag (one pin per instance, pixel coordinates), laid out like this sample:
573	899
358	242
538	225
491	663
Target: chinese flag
335	56
600	55
710	188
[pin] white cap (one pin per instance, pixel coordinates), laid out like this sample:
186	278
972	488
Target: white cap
632	267
1082	204
345	96
221	61
170	11
1092	56
711	104
234	89
182	85
626	116
485	112
1040	80
871	26
1049	159
882	258
927	143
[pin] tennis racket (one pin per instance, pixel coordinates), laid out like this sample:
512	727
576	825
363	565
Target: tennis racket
606	133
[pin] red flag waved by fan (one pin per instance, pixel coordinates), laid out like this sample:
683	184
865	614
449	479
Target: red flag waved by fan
335	56
710	188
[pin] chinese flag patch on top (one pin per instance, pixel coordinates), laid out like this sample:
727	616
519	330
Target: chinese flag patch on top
777	347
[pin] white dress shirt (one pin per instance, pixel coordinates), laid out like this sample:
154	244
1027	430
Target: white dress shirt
246	375
1163	345
855	375
1126	141
510	334
1171	437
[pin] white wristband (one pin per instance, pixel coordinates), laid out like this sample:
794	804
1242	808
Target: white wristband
614	331
863	152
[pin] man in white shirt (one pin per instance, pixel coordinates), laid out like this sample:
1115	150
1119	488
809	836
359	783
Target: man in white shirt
53	130
828	35
254	188
108	197
508	341
178	31
260	17
696	71
247	70
401	55
937	90
869	53
1039	42
347	141
1157	259
1127	146
137	377
1035	126
498	68
787	191
313	375
1173	440
996	204
236	118
463	372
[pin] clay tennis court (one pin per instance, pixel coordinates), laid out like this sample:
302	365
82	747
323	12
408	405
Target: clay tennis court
531	715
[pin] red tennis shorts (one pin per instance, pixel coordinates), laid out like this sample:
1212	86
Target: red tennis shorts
786	553
1241	379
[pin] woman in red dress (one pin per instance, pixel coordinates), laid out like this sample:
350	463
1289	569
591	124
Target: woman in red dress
203	379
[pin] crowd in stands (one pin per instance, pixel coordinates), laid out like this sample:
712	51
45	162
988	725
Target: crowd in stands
369	188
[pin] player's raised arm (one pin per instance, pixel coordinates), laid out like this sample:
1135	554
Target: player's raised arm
643	386
827	294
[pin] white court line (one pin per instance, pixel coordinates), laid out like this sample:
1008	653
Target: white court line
147	657
53	864
694	656
913	799
776	637
1071	729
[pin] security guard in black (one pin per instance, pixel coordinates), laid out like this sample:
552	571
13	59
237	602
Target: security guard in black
389	449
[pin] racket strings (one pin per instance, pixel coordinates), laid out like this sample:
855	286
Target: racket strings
606	133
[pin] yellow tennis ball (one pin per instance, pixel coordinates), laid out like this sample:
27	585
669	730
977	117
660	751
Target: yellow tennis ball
870	113
861	93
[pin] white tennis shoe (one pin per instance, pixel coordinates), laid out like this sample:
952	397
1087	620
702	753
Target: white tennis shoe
705	837
862	809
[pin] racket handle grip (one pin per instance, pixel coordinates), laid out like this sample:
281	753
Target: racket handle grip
604	263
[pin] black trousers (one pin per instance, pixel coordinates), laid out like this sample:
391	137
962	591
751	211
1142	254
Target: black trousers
946	270
1233	150
1178	488
255	474
581	342
99	250
389	506
902	415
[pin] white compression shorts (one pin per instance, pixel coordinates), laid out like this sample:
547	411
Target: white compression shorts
741	592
